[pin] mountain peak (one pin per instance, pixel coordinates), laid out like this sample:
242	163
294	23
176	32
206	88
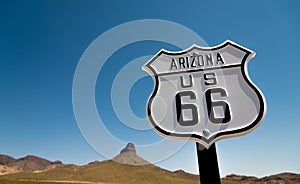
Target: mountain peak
6	160
129	156
130	147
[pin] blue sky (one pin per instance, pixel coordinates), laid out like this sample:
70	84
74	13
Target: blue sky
41	43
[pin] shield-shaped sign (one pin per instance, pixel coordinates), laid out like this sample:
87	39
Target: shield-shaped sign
204	93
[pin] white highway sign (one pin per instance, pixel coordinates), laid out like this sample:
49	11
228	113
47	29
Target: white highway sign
204	93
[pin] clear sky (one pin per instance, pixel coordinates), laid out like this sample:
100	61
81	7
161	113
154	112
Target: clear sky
41	43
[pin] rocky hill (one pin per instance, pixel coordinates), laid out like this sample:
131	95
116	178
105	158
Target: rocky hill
29	163
129	156
6	160
283	178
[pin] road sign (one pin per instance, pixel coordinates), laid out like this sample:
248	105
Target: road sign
204	93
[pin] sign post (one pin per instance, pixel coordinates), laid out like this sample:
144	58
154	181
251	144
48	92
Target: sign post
208	164
204	94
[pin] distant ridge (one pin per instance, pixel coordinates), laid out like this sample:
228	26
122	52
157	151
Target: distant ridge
282	178
28	163
126	168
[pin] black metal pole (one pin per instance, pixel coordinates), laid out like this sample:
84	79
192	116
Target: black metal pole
208	164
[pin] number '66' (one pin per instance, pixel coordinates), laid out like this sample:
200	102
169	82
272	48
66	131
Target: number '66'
210	105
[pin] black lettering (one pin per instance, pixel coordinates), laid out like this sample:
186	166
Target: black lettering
190	84
187	62
180	107
210	79
193	62
173	64
219	58
211	104
200	60
209	59
181	62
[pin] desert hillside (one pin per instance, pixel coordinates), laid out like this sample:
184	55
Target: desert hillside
126	168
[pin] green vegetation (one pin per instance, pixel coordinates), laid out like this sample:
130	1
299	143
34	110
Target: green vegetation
109	172
15	181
